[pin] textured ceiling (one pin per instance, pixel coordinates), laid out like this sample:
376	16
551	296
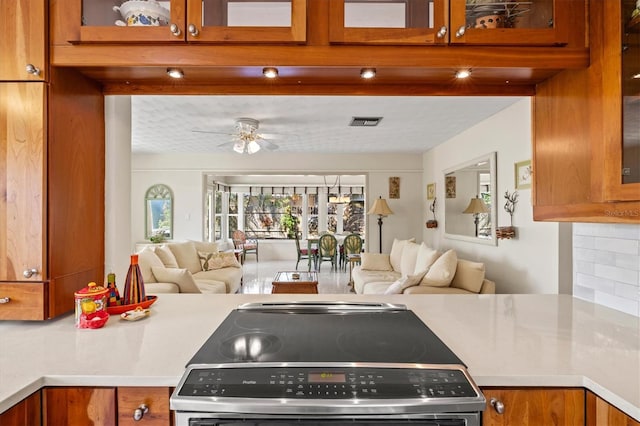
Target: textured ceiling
306	124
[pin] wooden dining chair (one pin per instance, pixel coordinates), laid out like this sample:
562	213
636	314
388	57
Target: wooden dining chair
304	253
352	244
328	250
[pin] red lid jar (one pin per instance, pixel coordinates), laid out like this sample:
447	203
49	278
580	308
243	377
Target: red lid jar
91	306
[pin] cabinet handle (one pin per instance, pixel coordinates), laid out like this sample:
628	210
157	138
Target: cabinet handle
497	405
139	412
32	69
441	32
175	30
4	300
193	30
461	31
28	273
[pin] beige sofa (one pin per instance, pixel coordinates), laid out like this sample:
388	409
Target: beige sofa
189	267
413	268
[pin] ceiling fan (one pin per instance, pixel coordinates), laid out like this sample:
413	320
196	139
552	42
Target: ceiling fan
245	138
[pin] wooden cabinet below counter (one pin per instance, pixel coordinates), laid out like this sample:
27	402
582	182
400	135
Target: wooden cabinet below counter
149	405
534	406
601	413
26	412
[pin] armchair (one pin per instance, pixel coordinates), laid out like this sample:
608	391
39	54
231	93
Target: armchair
247	245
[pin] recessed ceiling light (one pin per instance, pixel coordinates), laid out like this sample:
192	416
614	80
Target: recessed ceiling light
270	72
367	73
463	73
175	72
636	75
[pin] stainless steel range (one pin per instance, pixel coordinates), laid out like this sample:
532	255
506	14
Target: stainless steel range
325	364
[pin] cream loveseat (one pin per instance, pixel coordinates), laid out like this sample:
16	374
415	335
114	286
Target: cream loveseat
418	269
189	267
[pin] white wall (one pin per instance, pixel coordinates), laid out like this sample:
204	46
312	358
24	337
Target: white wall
534	261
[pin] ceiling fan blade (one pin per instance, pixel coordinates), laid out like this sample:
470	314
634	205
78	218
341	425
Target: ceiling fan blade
267	144
226	144
213	133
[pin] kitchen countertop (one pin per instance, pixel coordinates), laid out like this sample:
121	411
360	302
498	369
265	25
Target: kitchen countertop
505	340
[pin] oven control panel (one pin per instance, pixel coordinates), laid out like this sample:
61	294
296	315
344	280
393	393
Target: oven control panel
333	383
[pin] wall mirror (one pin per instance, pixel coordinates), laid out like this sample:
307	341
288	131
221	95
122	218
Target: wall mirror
159	213
469	200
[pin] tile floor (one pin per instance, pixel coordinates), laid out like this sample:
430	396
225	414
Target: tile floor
259	275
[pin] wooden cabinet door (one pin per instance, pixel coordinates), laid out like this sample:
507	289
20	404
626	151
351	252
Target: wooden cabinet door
534	22
152	405
26	412
22	182
601	413
79	406
534	407
213	21
23	27
401	22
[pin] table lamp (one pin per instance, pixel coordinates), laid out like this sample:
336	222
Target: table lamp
476	207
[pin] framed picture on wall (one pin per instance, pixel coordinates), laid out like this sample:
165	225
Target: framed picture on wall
523	174
431	191
450	186
394	187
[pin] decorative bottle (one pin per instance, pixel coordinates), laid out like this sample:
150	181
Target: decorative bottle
134	284
114	294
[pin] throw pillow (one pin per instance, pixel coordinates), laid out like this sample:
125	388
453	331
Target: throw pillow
219	260
404	282
395	256
166	256
375	262
179	276
469	276
425	258
206	246
408	258
441	273
146	260
186	255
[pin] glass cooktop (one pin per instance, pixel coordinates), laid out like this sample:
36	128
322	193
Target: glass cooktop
331	335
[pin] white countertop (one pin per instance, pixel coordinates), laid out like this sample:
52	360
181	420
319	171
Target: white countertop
505	340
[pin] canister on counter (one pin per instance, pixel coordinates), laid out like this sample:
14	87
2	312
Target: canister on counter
91	306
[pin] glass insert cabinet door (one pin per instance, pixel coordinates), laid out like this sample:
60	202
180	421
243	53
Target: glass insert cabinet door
630	92
532	22
258	21
159	213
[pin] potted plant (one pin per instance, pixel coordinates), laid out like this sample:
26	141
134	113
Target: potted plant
289	223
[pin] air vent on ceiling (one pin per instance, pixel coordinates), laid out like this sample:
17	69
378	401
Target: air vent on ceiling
365	121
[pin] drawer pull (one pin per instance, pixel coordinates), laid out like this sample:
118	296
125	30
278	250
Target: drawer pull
497	405
28	273
139	412
193	30
32	69
175	30
4	300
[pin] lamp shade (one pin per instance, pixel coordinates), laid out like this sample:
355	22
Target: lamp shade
380	208
476	205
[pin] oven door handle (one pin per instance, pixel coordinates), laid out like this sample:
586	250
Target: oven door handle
321	307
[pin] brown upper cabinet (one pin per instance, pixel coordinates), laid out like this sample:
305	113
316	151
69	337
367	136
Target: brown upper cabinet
213	21
586	145
491	22
23	24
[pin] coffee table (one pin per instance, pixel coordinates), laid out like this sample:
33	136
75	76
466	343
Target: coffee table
295	282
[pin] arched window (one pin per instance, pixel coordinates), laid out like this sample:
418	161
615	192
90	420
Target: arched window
159	213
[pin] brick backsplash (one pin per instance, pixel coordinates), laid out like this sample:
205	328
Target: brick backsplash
606	265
